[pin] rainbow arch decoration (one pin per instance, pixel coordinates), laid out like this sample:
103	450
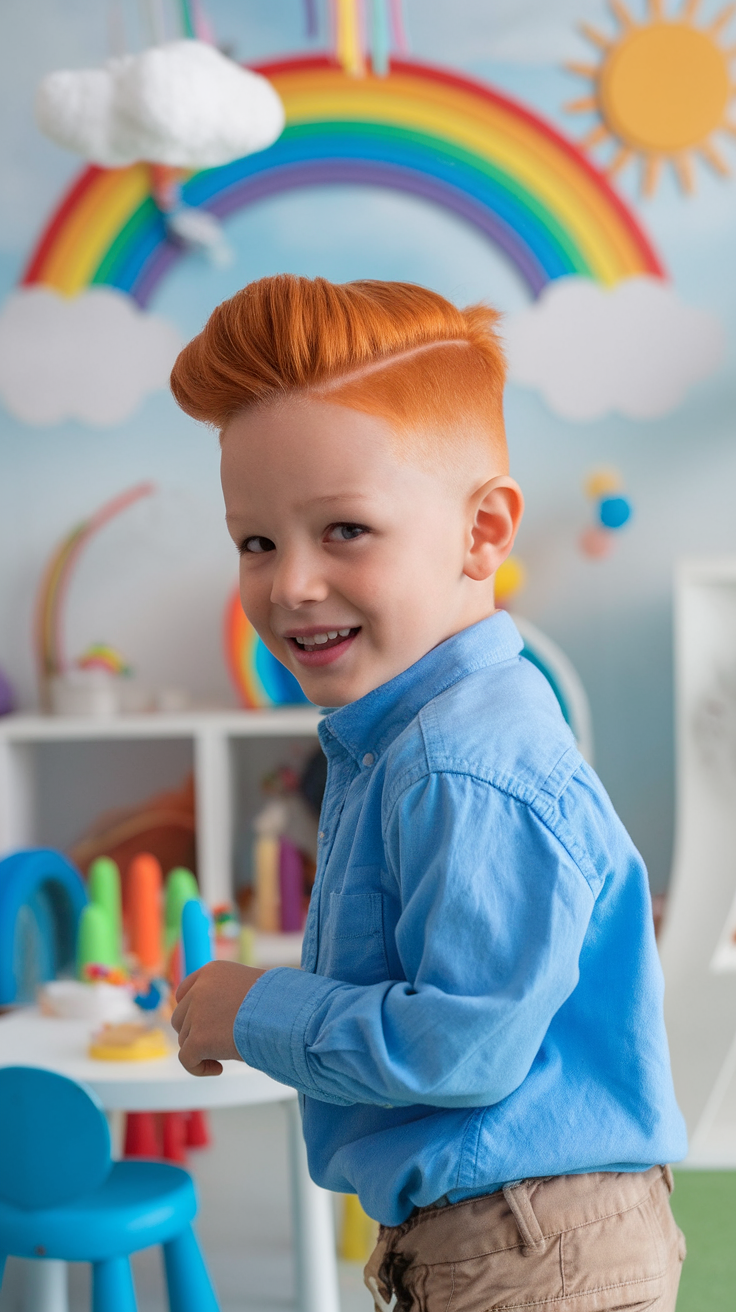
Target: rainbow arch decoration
260	680
425	131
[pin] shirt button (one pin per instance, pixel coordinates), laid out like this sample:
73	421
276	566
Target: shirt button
321	834
369	758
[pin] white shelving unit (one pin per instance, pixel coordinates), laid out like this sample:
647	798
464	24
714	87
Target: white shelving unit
213	739
700	998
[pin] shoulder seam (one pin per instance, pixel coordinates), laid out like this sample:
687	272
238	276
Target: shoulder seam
544	811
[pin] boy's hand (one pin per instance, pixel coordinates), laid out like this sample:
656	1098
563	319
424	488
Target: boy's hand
209	1000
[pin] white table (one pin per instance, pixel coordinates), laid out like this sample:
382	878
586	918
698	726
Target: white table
29	1039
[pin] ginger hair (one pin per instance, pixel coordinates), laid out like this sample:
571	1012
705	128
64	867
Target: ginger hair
394	350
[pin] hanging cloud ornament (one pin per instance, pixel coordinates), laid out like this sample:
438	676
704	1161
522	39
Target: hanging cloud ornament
183	104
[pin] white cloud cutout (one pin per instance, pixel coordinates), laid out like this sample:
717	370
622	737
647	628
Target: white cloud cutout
93	357
183	104
634	348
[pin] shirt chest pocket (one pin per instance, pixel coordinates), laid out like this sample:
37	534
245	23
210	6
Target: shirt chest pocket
352	943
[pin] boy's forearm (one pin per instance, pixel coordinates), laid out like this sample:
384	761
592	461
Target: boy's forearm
390	1045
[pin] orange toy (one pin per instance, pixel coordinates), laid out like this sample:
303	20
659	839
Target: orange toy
144	902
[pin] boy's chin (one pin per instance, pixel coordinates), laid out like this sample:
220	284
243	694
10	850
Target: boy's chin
335	689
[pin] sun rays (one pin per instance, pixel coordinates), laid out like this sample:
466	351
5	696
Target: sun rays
662	90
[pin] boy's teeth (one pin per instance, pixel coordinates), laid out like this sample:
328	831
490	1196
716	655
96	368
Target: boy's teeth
317	639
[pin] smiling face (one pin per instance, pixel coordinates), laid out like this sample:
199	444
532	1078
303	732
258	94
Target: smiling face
355	560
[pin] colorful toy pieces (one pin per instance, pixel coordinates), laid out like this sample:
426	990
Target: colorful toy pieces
612	511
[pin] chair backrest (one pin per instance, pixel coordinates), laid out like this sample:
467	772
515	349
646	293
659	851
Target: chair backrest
54	1139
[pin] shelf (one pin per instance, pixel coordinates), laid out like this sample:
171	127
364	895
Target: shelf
213	743
277	721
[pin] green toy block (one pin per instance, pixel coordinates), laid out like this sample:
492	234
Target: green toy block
181	887
95	939
104	891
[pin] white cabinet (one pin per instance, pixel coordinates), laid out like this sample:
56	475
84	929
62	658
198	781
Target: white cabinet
229	751
700	998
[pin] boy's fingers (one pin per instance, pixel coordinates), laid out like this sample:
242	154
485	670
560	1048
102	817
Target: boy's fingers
196	1064
208	1066
186	984
178	1015
184	1031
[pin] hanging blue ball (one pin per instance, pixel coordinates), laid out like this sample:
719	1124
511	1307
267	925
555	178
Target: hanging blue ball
614	512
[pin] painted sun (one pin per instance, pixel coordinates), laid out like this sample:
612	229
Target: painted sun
663	89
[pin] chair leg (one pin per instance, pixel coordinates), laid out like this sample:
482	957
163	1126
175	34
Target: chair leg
112	1286
189	1285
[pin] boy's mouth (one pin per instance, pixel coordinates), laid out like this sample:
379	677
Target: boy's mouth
322	648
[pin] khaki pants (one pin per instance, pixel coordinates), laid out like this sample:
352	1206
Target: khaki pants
577	1243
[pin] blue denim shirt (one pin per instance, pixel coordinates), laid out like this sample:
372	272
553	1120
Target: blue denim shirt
481	997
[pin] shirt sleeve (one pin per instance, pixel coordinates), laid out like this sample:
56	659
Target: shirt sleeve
494	911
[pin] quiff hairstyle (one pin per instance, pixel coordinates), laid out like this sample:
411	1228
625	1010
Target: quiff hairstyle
390	349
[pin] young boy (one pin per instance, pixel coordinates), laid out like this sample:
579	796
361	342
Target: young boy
476	1032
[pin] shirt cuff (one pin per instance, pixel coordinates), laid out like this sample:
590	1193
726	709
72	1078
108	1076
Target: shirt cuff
270	1029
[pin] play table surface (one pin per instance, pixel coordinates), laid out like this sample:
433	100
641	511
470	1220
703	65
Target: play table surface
28	1038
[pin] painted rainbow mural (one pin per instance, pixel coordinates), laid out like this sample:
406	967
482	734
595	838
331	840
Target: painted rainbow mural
421	130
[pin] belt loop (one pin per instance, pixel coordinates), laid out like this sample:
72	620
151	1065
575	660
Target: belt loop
518	1198
669	1178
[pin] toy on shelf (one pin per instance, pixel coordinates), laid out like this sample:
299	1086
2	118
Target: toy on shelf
260	680
612	512
163	825
42	898
284	847
61	689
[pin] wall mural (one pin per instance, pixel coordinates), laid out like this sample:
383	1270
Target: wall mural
78	337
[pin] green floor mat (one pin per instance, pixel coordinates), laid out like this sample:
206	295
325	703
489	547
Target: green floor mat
704	1204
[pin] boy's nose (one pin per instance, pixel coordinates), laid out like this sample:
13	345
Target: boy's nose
297	581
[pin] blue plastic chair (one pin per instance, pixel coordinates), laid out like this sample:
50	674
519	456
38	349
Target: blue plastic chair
62	1197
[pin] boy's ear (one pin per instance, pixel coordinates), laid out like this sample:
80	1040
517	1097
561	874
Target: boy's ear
495	511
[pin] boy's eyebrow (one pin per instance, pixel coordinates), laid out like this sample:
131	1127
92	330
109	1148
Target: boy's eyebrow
338	496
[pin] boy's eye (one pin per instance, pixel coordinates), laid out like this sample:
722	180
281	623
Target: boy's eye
256	545
345	532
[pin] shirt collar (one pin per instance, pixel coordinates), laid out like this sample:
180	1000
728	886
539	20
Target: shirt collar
370	724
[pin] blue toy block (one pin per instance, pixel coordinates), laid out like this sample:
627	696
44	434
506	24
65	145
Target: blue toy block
61	1196
42	896
196	935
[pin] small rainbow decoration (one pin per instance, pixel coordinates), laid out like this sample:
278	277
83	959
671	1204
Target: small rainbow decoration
48	628
101	656
421	130
259	678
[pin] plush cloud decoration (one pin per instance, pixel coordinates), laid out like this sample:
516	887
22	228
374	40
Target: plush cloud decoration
634	348
93	357
182	104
